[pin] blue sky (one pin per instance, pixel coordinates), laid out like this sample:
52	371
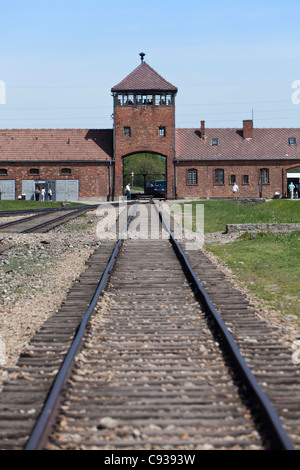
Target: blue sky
60	59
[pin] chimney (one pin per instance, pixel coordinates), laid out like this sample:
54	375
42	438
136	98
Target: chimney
203	130
248	129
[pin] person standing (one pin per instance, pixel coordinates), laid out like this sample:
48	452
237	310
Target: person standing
128	192
235	189
291	189
43	193
37	194
50	194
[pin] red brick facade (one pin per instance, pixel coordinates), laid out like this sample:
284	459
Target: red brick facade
145	124
200	162
93	177
246	174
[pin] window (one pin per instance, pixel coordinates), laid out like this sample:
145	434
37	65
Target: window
162	131
215	141
120	100
164	99
130	99
192	177
219	176
245	179
232	179
264	175
66	171
292	140
34	171
125	100
144	99
3	171
127	132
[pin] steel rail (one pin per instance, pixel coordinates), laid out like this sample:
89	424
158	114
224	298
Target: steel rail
42	209
25	219
279	439
43	425
72	214
37	226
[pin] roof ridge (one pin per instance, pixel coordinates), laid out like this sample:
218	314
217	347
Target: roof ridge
144	77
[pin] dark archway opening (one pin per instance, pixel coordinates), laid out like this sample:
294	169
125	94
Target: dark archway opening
146	173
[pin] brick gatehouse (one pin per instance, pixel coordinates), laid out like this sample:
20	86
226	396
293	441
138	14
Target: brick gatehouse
201	162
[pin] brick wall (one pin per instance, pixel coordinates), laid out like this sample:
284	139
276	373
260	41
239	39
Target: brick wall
144	123
206	186
93	177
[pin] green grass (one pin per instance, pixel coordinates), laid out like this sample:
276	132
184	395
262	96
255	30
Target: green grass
25	205
221	212
269	264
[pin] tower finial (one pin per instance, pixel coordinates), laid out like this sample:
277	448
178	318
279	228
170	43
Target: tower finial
142	54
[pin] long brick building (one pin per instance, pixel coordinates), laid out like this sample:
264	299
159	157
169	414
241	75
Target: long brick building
201	162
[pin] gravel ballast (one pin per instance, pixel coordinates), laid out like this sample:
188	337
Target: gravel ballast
36	275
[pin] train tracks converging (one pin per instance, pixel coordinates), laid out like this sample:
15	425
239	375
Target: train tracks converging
138	357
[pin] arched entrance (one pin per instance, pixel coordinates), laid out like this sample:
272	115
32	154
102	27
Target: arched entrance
147	174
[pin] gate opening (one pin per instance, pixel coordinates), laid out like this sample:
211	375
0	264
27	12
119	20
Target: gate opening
147	175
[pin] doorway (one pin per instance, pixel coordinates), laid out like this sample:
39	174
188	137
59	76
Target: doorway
146	173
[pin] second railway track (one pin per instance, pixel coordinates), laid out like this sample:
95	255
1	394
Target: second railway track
42	221
149	374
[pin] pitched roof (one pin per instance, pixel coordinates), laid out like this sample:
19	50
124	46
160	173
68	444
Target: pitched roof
56	145
266	144
144	77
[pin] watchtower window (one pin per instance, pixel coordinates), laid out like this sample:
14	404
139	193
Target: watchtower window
125	99
163	100
144	99
127	132
3	171
162	131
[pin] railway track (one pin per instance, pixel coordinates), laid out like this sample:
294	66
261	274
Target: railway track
153	369
42	221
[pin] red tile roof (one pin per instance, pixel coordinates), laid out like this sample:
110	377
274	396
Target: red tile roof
42	145
56	144
144	77
266	144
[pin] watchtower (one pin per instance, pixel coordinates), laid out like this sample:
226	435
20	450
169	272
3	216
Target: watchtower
144	121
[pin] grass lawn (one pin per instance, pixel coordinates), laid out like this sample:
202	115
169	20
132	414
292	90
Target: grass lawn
270	266
27	205
218	213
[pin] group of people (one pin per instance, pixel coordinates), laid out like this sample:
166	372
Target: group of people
43	194
294	189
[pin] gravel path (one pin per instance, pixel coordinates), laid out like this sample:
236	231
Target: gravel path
35	276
